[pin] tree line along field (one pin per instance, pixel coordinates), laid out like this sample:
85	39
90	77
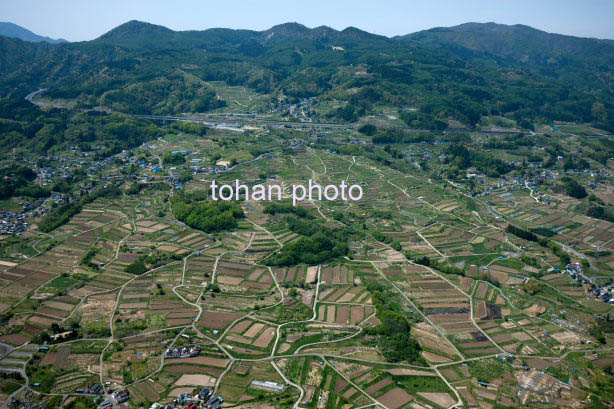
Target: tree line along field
432	295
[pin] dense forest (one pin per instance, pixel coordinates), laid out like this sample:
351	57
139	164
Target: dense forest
460	157
318	243
208	216
47	131
18	181
394	331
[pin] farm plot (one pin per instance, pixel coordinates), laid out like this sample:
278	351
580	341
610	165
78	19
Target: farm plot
191	239
262	242
343	314
110	279
158	312
211	364
396	387
345	294
339	274
436	295
241	277
240	99
283	235
93	217
217	320
241	382
512	337
295	337
441	302
96	310
25	277
435	348
150	226
250	338
119	264
322	384
167	277
198	269
296	274
473	342
71	382
149	389
138	356
57	307
489	311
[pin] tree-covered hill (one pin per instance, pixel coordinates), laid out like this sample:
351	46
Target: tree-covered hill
518	43
458	73
585	62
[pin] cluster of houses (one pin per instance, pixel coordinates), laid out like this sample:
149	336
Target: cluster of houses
121	396
205	399
48	174
605	293
182	352
301	110
95	389
220	166
515	183
15	222
576	271
12	222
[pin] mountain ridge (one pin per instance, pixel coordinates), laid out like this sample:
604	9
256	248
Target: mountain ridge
462	72
516	41
12	30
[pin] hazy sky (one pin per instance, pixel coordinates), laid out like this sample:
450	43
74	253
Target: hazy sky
77	20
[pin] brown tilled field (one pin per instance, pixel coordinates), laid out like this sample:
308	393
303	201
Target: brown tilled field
379	385
187	369
241	326
265	338
13	339
217	319
253	330
395	398
441	398
207	361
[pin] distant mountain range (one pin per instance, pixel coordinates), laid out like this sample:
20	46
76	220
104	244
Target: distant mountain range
517	43
461	72
14	31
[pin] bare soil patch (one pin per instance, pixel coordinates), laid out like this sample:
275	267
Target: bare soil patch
253	330
195	379
180	391
441	398
429	356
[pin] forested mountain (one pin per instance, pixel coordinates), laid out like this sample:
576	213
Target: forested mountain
14	31
518	43
460	73
585	62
